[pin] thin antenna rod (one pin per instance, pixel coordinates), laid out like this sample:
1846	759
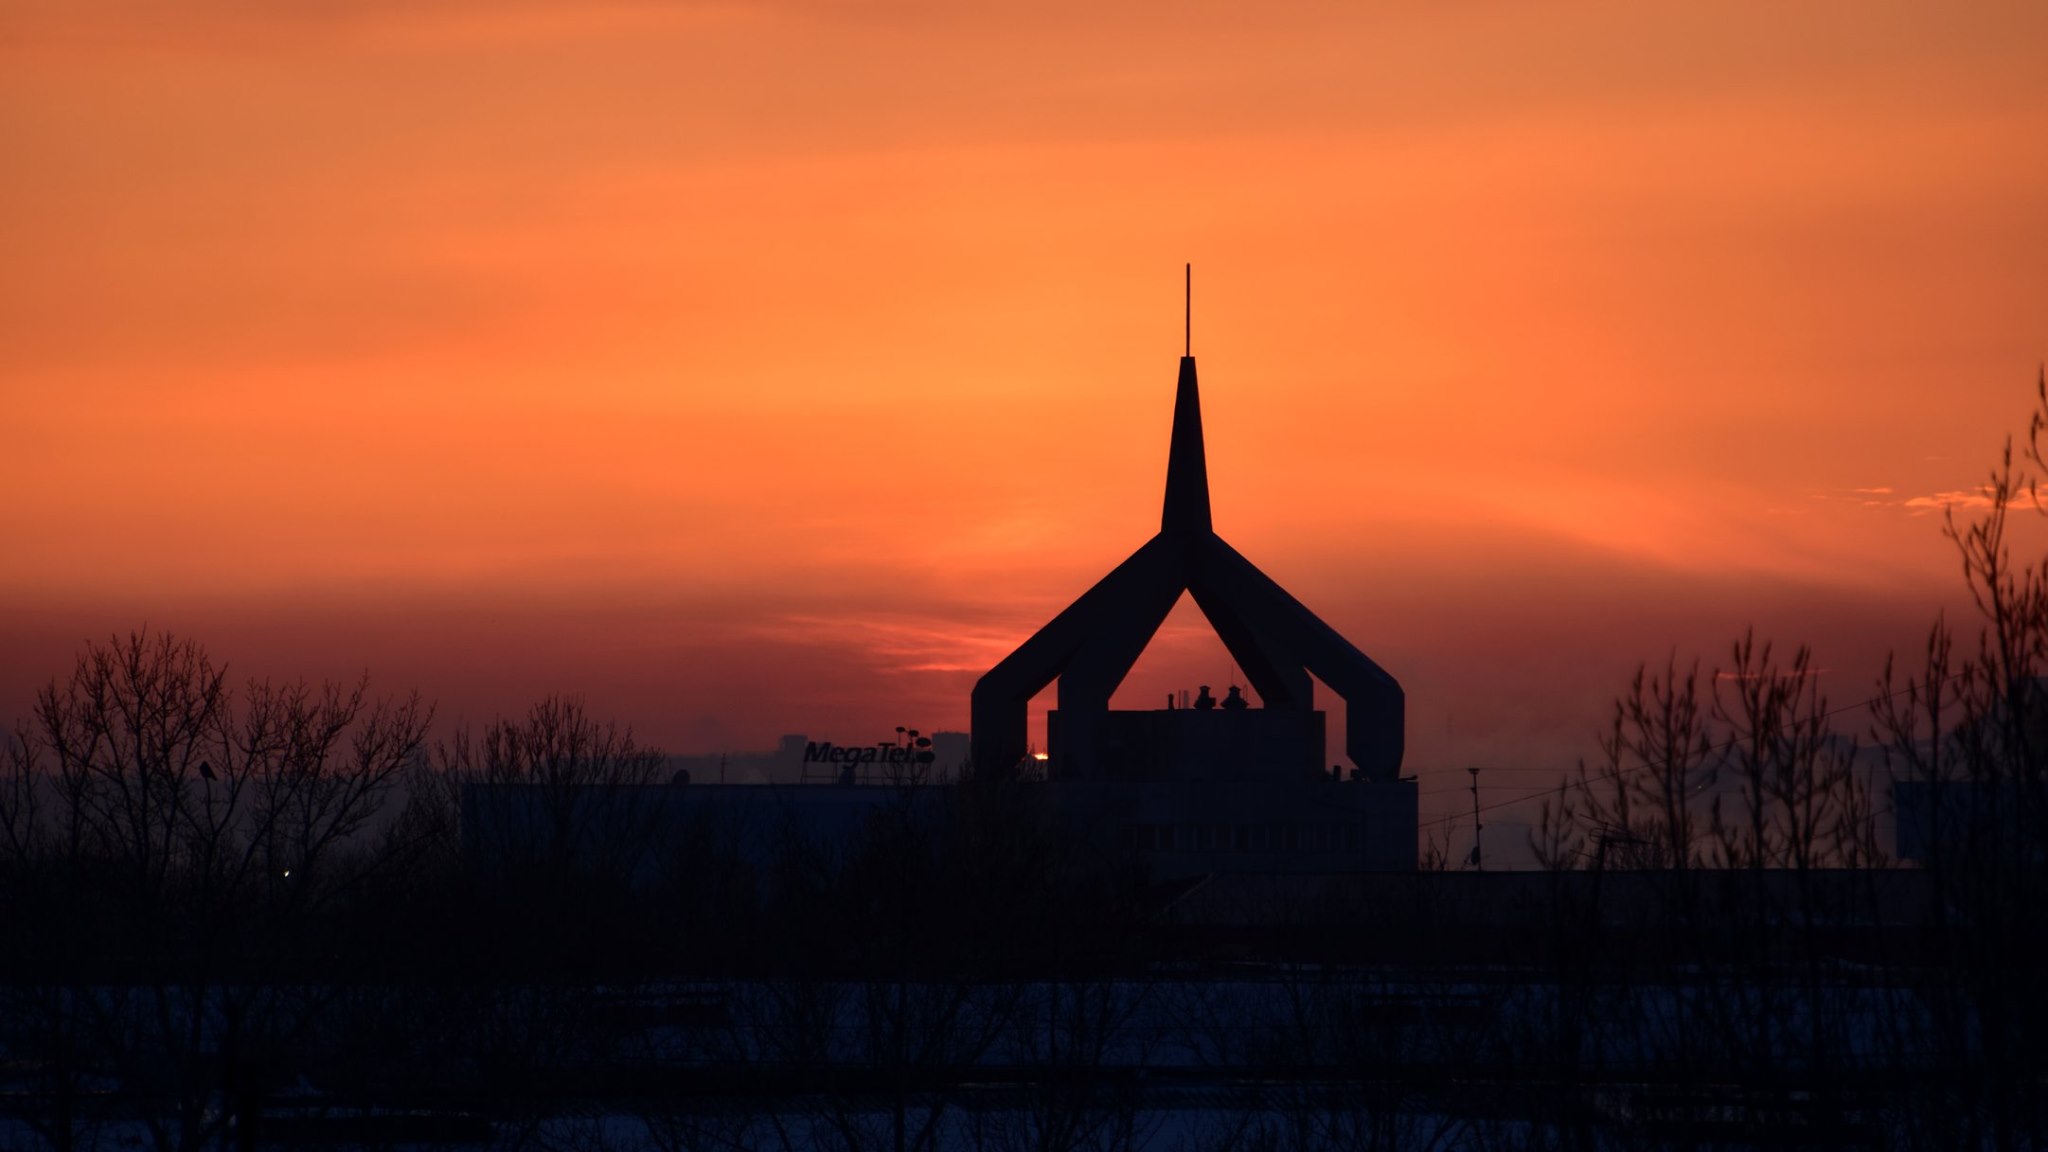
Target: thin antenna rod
1188	333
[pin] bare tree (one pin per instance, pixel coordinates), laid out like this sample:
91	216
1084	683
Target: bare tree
1801	804
203	828
554	796
1970	727
1656	756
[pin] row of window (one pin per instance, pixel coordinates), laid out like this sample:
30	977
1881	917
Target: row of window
1320	837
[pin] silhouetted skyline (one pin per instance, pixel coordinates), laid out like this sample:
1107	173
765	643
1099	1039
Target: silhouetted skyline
765	371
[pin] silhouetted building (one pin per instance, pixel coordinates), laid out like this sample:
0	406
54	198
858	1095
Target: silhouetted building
1090	647
1208	783
1207	787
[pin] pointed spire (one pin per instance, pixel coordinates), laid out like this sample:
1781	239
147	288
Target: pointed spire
1187	468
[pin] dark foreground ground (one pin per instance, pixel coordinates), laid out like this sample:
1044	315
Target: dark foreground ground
1514	1011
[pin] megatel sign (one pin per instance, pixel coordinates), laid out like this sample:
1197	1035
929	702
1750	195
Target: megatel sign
909	749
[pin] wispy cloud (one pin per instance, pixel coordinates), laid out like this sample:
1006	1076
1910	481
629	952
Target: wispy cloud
1941	501
900	642
1875	496
1885	496
1979	497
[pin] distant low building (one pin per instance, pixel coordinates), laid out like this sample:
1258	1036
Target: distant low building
799	759
1950	819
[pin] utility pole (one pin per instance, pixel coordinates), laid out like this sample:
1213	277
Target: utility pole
1477	864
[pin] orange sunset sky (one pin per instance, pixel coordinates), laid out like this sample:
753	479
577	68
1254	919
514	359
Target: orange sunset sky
754	368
